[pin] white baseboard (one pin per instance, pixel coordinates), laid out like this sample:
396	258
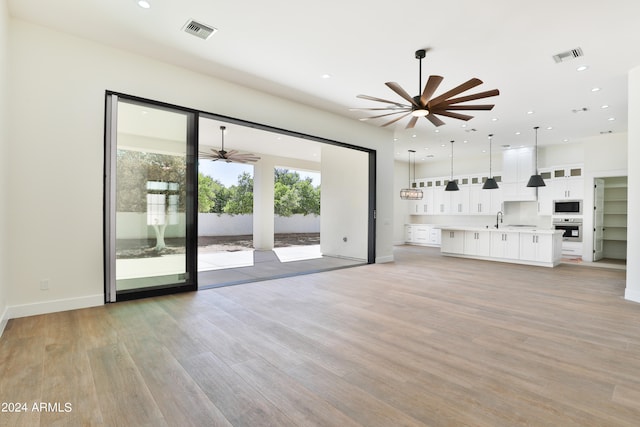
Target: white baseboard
383	259
45	307
632	294
4	318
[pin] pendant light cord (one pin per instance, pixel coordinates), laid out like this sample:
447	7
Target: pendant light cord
451	160
536	129
490	154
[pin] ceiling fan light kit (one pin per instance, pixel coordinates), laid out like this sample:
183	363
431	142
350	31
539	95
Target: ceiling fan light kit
425	105
233	156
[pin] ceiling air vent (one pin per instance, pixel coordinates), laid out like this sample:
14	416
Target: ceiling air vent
199	30
580	110
570	54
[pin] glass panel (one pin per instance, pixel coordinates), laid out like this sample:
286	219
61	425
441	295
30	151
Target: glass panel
475	180
558	173
498	178
430	184
421	183
465	181
545	175
150	198
576	172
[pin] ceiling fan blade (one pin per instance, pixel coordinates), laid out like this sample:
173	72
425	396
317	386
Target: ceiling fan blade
467	107
403	93
231	153
381	109
383	115
469	84
373	98
479	95
430	88
435	120
412	122
395	120
453	115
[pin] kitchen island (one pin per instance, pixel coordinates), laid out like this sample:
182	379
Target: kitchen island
531	246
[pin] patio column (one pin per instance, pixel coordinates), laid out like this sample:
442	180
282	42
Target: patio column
263	216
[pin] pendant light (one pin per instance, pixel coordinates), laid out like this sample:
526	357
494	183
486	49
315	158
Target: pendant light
451	185
490	183
536	180
410	193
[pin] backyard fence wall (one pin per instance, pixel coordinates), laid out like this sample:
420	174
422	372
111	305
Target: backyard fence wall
133	225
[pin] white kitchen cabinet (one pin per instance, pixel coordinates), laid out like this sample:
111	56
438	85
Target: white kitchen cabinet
441	198
568	183
536	247
505	244
459	200
545	194
434	236
452	241
484	202
422	234
408	233
477	243
518	164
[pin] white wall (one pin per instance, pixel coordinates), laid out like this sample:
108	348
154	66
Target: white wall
344	202
632	291
4	167
56	92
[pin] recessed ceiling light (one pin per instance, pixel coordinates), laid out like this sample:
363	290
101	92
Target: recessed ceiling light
604	107
464	126
144	4
517	133
395	139
495	119
549	128
414	135
484	151
326	76
465	141
582	68
530	112
565	140
611	119
595	89
426	148
443	145
437	131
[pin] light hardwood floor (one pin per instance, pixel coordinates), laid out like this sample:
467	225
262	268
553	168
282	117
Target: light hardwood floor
427	340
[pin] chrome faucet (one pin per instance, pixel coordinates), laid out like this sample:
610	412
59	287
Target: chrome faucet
499	216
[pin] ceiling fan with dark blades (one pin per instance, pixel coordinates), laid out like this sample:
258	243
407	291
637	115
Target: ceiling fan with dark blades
424	105
233	156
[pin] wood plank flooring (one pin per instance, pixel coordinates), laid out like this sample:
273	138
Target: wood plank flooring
424	341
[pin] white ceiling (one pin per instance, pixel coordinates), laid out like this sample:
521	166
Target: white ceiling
285	46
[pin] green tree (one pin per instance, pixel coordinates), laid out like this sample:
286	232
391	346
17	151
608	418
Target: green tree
212	195
241	196
139	174
293	195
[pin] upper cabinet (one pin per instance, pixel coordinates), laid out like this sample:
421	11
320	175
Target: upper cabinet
568	183
518	165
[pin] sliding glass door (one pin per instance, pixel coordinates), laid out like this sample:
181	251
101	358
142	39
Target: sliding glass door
149	199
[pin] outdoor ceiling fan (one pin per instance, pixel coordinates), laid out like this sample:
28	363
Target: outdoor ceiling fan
425	106
233	156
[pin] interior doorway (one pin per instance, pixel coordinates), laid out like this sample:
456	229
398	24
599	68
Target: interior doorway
610	220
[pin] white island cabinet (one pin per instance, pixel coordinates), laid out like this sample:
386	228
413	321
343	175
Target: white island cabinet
452	241
515	245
